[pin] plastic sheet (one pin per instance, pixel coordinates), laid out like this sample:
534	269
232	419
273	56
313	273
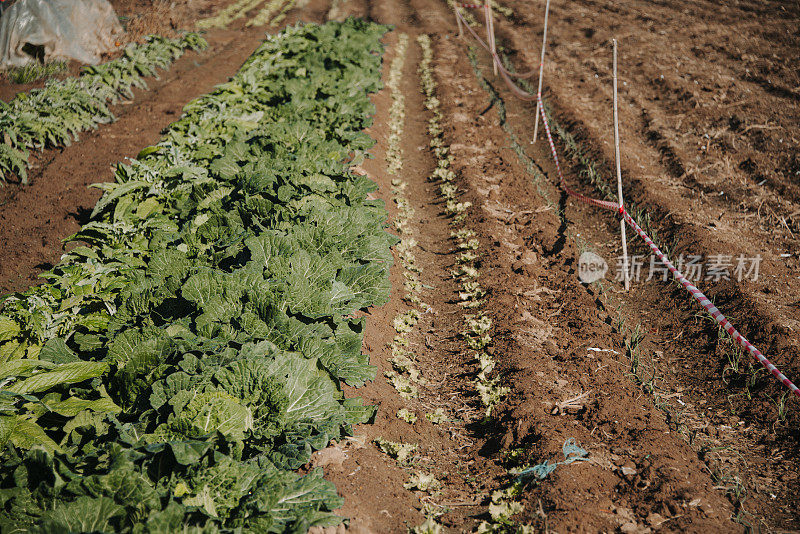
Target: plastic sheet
57	29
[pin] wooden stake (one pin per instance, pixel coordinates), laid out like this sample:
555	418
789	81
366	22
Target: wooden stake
619	175
458	20
490	33
541	71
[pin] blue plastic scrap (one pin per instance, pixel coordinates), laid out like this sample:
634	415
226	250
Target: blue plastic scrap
572	453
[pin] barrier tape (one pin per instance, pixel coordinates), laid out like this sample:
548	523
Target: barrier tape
472	6
698	295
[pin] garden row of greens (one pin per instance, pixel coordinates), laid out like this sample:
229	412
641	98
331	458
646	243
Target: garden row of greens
228	14
57	113
178	368
477	327
271	13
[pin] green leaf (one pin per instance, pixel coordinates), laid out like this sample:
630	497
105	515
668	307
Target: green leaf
189	452
311	393
203	500
56	350
72	406
201	288
8	328
307	492
22	367
147	151
24	434
65	374
208	412
84	515
115	191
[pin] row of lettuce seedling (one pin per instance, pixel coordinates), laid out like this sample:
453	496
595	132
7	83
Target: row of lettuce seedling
273	13
477	326
405	376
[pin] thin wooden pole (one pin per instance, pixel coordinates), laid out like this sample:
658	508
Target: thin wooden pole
490	33
619	175
541	70
458	20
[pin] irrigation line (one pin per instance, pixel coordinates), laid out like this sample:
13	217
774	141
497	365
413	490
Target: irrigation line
698	295
541	71
627	275
458	20
490	31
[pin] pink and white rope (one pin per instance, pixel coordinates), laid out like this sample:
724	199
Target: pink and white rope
710	308
698	295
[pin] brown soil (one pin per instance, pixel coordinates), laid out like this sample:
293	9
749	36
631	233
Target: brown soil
677	441
703	194
145	17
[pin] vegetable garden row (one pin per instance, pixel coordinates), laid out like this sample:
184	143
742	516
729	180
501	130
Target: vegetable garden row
56	114
184	359
271	13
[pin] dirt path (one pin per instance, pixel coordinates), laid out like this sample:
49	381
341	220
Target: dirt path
680	435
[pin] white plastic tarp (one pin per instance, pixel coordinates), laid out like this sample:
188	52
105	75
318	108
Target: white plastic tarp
64	29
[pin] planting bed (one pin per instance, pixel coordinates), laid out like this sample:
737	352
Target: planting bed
203	351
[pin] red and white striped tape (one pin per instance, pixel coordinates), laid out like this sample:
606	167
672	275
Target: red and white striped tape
709	306
698	295
471	6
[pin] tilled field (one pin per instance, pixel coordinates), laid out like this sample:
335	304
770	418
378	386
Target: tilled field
492	355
